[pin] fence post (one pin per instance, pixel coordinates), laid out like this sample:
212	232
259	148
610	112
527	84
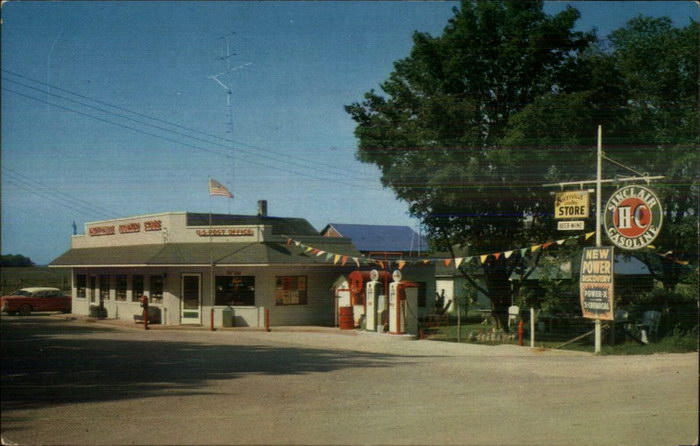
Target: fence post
459	320
532	327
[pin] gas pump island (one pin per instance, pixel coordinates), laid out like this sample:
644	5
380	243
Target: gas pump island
401	315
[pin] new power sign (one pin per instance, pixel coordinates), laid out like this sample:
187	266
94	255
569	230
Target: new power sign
596	283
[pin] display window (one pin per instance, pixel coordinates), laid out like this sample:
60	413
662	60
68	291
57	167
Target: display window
120	287
235	290
80	286
137	287
104	287
156	296
290	290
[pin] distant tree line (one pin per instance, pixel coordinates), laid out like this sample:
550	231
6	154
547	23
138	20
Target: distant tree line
14	260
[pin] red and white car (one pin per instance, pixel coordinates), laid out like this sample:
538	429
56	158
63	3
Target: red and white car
26	300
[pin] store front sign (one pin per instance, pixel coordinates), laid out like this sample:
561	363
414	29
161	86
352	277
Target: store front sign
571	205
125	228
596	283
225	232
633	217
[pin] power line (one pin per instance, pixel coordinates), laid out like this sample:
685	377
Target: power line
38	187
188	129
203	149
43	196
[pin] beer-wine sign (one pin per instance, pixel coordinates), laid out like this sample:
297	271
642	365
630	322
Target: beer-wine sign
596	283
633	217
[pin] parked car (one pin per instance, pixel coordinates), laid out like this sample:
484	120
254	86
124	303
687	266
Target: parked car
26	300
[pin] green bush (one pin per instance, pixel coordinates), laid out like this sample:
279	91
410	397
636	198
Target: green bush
679	309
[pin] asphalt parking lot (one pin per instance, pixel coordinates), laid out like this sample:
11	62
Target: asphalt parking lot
76	382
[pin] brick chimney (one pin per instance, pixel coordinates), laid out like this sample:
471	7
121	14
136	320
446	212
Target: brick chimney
262	208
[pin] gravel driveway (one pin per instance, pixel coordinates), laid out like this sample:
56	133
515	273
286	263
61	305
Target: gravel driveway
82	383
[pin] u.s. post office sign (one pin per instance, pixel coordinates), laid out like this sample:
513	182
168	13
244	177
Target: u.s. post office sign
571	204
633	217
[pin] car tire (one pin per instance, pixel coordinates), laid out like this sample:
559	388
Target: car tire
25	310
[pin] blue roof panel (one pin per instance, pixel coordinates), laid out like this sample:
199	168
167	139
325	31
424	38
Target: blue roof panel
381	238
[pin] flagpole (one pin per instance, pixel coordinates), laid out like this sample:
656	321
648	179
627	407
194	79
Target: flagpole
211	253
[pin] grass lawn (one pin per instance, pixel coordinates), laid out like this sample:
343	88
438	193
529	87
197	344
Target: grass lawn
474	331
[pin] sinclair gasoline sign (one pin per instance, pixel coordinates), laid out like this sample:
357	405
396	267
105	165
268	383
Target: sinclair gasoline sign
596	283
633	217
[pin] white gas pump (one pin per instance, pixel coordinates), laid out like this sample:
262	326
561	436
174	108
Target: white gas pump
372	291
403	306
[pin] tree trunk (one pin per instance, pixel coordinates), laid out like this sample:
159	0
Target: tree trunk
500	290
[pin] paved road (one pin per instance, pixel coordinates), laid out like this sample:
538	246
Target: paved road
81	383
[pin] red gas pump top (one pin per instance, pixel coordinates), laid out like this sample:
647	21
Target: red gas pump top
358	279
402	286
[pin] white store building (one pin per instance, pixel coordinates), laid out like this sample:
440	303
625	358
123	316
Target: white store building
204	269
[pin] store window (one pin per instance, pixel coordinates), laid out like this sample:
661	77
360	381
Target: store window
156	289
104	287
80	285
136	287
93	287
290	290
235	290
120	287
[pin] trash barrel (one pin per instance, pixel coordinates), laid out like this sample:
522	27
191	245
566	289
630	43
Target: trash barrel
346	318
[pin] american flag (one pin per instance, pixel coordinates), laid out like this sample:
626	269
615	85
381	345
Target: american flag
216	188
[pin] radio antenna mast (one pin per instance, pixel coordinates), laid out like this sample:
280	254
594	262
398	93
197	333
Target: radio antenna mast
226	56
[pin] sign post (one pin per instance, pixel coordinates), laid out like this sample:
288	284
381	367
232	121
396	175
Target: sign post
598	239
633	219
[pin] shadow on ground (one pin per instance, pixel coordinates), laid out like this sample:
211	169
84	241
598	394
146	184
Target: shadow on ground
49	362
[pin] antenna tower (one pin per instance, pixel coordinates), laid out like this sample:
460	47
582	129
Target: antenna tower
226	57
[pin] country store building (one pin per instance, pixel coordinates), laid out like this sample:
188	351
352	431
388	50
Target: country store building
199	269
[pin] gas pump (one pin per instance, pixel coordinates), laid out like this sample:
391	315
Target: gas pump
373	314
403	306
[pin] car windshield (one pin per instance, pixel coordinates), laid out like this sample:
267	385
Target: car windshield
21	293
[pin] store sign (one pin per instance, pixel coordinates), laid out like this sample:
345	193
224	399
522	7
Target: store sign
633	217
225	232
571	205
125	228
596	283
577	225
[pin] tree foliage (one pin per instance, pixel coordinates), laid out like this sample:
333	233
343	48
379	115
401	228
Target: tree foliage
469	126
14	260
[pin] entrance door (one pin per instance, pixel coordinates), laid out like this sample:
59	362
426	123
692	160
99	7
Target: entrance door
191	309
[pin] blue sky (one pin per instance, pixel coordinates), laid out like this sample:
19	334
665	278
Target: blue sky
108	108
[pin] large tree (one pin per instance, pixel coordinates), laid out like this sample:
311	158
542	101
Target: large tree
643	88
472	122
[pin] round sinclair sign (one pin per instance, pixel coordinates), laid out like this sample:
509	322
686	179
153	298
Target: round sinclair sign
633	217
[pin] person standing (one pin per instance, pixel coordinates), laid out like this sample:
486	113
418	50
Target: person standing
144	304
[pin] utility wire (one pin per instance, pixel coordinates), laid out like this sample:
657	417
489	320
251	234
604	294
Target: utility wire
227	140
204	149
45	197
38	188
143	123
